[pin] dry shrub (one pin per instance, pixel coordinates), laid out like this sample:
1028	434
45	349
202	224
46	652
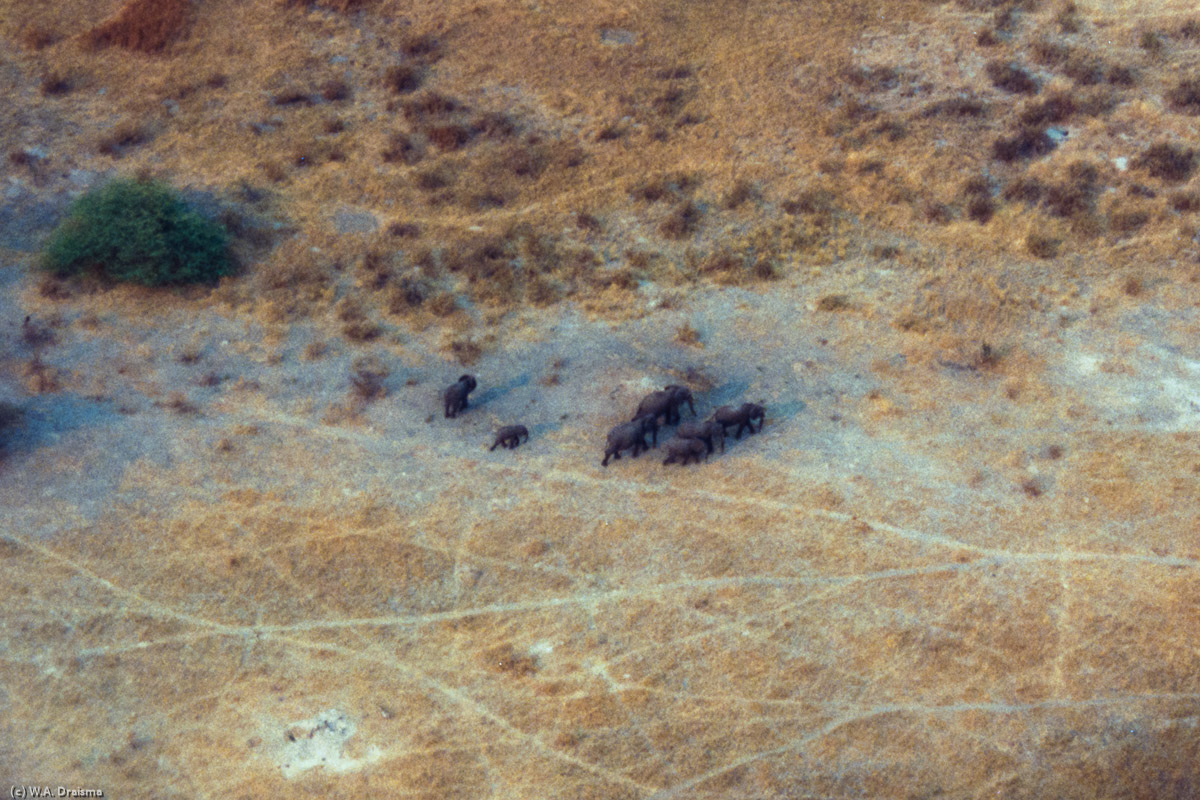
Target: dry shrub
403	78
367	378
1010	78
1167	161
423	46
1049	54
1027	142
1056	107
1084	68
404	230
54	84
35	335
437	177
1185	202
122	138
937	213
1076	195
811	201
466	351
291	96
742	190
1185	95
956	107
403	148
1025	189
41	378
144	26
36	37
1152	43
542	291
1126	221
314	350
52	287
179	403
687	335
1121	75
682	222
1040	245
987	38
834	302
443	304
335	90
1067	18
588	222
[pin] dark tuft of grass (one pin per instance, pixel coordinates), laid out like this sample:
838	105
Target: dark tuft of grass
55	84
291	96
956	107
1184	96
335	90
1040	245
1167	161
404	149
1011	78
1056	107
1025	190
682	222
1028	142
123	137
404	78
36	37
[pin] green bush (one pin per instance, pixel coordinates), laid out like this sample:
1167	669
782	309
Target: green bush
138	231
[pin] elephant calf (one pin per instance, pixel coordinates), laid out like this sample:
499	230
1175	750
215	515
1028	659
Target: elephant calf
630	435
743	417
680	451
510	436
455	396
704	431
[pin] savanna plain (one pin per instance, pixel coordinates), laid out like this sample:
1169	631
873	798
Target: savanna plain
952	248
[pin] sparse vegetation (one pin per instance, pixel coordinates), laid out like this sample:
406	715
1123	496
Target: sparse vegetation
138	231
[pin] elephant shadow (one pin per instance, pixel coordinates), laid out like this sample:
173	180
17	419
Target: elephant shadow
489	394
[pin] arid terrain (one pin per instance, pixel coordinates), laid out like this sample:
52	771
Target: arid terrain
951	247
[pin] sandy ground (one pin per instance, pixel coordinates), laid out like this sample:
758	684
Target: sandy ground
939	570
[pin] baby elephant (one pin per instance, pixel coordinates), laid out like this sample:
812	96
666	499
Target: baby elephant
455	396
743	417
510	436
704	431
666	404
679	451
629	435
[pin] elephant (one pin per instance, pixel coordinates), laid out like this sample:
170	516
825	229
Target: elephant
681	450
510	436
666	404
630	435
455	396
743	417
704	431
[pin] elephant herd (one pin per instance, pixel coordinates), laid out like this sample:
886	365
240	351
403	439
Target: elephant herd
693	439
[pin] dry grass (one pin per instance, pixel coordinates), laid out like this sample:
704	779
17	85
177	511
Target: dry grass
144	26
